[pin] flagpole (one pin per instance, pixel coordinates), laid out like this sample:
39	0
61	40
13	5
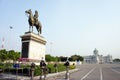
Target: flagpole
2	43
10	49
10	37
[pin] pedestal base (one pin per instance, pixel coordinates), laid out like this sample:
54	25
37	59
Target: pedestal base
33	46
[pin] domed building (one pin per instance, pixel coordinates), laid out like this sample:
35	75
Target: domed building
97	59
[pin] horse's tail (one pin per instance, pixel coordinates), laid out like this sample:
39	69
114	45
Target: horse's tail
40	27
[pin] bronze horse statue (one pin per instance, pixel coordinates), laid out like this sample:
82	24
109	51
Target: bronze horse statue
33	21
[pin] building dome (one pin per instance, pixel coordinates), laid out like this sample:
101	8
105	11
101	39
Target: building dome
95	52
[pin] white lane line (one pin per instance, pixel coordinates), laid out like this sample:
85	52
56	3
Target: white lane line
87	74
101	77
115	71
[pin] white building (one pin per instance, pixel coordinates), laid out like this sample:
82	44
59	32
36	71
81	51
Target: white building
98	59
108	59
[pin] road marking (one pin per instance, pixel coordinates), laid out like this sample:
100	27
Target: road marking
101	77
87	73
115	71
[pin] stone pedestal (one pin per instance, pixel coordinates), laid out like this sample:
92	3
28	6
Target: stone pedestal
33	46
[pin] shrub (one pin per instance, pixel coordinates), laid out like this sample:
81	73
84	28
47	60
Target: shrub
37	71
72	66
25	69
50	68
61	67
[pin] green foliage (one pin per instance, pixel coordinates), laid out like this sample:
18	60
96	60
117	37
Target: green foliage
61	67
72	58
5	55
37	71
63	59
49	58
116	60
76	57
72	66
51	68
1	65
3	51
24	68
13	55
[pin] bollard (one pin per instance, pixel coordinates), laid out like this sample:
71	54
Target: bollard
67	75
16	66
56	69
42	77
32	71
16	73
43	70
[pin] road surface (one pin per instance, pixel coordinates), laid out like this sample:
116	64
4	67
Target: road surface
84	72
97	72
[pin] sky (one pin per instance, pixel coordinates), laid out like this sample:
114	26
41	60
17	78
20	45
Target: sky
69	26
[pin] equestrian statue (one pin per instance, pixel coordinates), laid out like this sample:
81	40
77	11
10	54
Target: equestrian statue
33	21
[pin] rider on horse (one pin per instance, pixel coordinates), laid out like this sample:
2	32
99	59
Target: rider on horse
36	17
33	21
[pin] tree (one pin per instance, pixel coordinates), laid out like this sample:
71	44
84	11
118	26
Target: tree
49	58
63	58
76	57
116	60
17	55
13	55
3	55
57	58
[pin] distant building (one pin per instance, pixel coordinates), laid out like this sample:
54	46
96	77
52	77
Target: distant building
108	59
97	59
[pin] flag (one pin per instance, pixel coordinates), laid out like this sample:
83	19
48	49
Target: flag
11	27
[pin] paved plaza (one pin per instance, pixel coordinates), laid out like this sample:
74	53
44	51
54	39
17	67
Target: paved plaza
84	72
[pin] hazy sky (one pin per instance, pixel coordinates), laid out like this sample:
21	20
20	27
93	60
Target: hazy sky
72	26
